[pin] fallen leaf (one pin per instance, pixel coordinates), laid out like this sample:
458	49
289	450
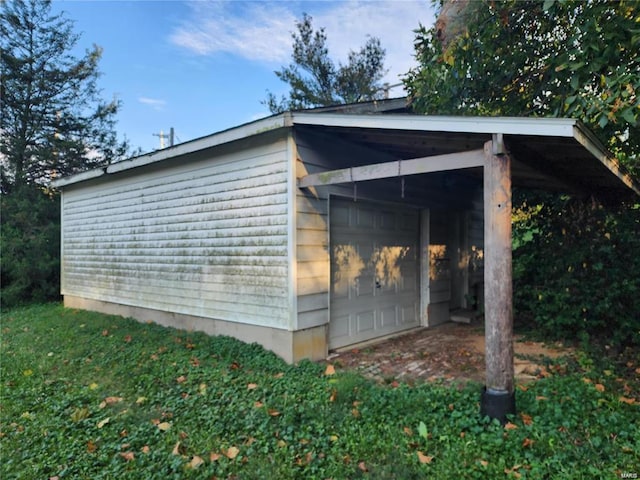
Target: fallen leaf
526	419
627	400
27	373
103	422
128	456
181	379
257	404
202	389
599	387
279	375
105	333
541	397
524	388
214	457
510	426
527	442
333	438
234	366
176	449
252	386
127	339
183	435
330	370
164	426
484	463
231	453
422	430
141	400
334	395
79	414
93	386
424	458
395	384
272	412
408	431
91	446
355	412
145	449
363	467
586	380
281	444
196	461
513	470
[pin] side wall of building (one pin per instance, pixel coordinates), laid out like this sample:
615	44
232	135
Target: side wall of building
204	237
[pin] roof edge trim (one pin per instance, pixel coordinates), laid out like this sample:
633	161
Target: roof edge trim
226	136
586	138
551	127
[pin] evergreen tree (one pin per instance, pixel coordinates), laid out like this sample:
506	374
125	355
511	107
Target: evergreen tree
316	81
52	119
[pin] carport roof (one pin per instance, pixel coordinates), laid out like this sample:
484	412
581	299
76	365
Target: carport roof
548	153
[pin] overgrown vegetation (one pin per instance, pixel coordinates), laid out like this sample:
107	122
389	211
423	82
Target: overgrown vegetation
86	395
30	232
577	270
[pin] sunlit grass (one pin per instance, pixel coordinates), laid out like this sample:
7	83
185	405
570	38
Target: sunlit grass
85	395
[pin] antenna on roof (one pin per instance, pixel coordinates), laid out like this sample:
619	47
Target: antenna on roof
164	136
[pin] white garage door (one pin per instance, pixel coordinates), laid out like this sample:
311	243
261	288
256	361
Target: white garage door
374	271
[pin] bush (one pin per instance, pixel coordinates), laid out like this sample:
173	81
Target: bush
577	269
30	270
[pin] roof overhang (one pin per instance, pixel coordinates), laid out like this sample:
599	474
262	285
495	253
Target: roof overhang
548	153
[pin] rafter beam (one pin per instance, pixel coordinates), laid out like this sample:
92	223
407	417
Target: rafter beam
398	168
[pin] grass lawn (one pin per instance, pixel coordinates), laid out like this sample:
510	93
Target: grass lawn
85	395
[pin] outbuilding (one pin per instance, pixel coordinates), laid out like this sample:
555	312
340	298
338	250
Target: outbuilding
313	230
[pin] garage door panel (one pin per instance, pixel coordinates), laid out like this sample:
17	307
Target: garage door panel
365	218
365	322
374	257
389	317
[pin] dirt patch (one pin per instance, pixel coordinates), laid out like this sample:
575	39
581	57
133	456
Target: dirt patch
452	352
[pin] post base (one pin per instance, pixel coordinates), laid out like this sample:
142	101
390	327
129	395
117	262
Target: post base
497	404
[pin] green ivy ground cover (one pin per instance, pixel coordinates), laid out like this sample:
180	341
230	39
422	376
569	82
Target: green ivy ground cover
85	395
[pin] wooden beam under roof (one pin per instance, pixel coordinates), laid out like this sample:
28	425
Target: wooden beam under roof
398	168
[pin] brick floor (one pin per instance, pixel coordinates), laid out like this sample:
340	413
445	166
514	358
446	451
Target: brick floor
452	352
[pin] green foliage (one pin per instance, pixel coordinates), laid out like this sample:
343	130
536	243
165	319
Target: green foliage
53	121
30	245
94	396
532	58
315	80
577	269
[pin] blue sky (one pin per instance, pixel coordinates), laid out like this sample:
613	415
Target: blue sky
205	66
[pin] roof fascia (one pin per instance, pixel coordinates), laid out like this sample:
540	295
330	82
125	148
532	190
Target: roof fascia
586	138
226	136
552	127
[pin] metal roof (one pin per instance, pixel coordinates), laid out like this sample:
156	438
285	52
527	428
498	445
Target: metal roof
547	153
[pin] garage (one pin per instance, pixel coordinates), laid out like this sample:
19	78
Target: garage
375	275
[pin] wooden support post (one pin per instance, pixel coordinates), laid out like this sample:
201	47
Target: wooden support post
498	398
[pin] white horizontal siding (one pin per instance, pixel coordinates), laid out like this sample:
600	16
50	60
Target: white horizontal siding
206	238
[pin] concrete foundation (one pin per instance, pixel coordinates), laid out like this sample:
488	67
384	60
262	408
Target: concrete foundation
292	346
